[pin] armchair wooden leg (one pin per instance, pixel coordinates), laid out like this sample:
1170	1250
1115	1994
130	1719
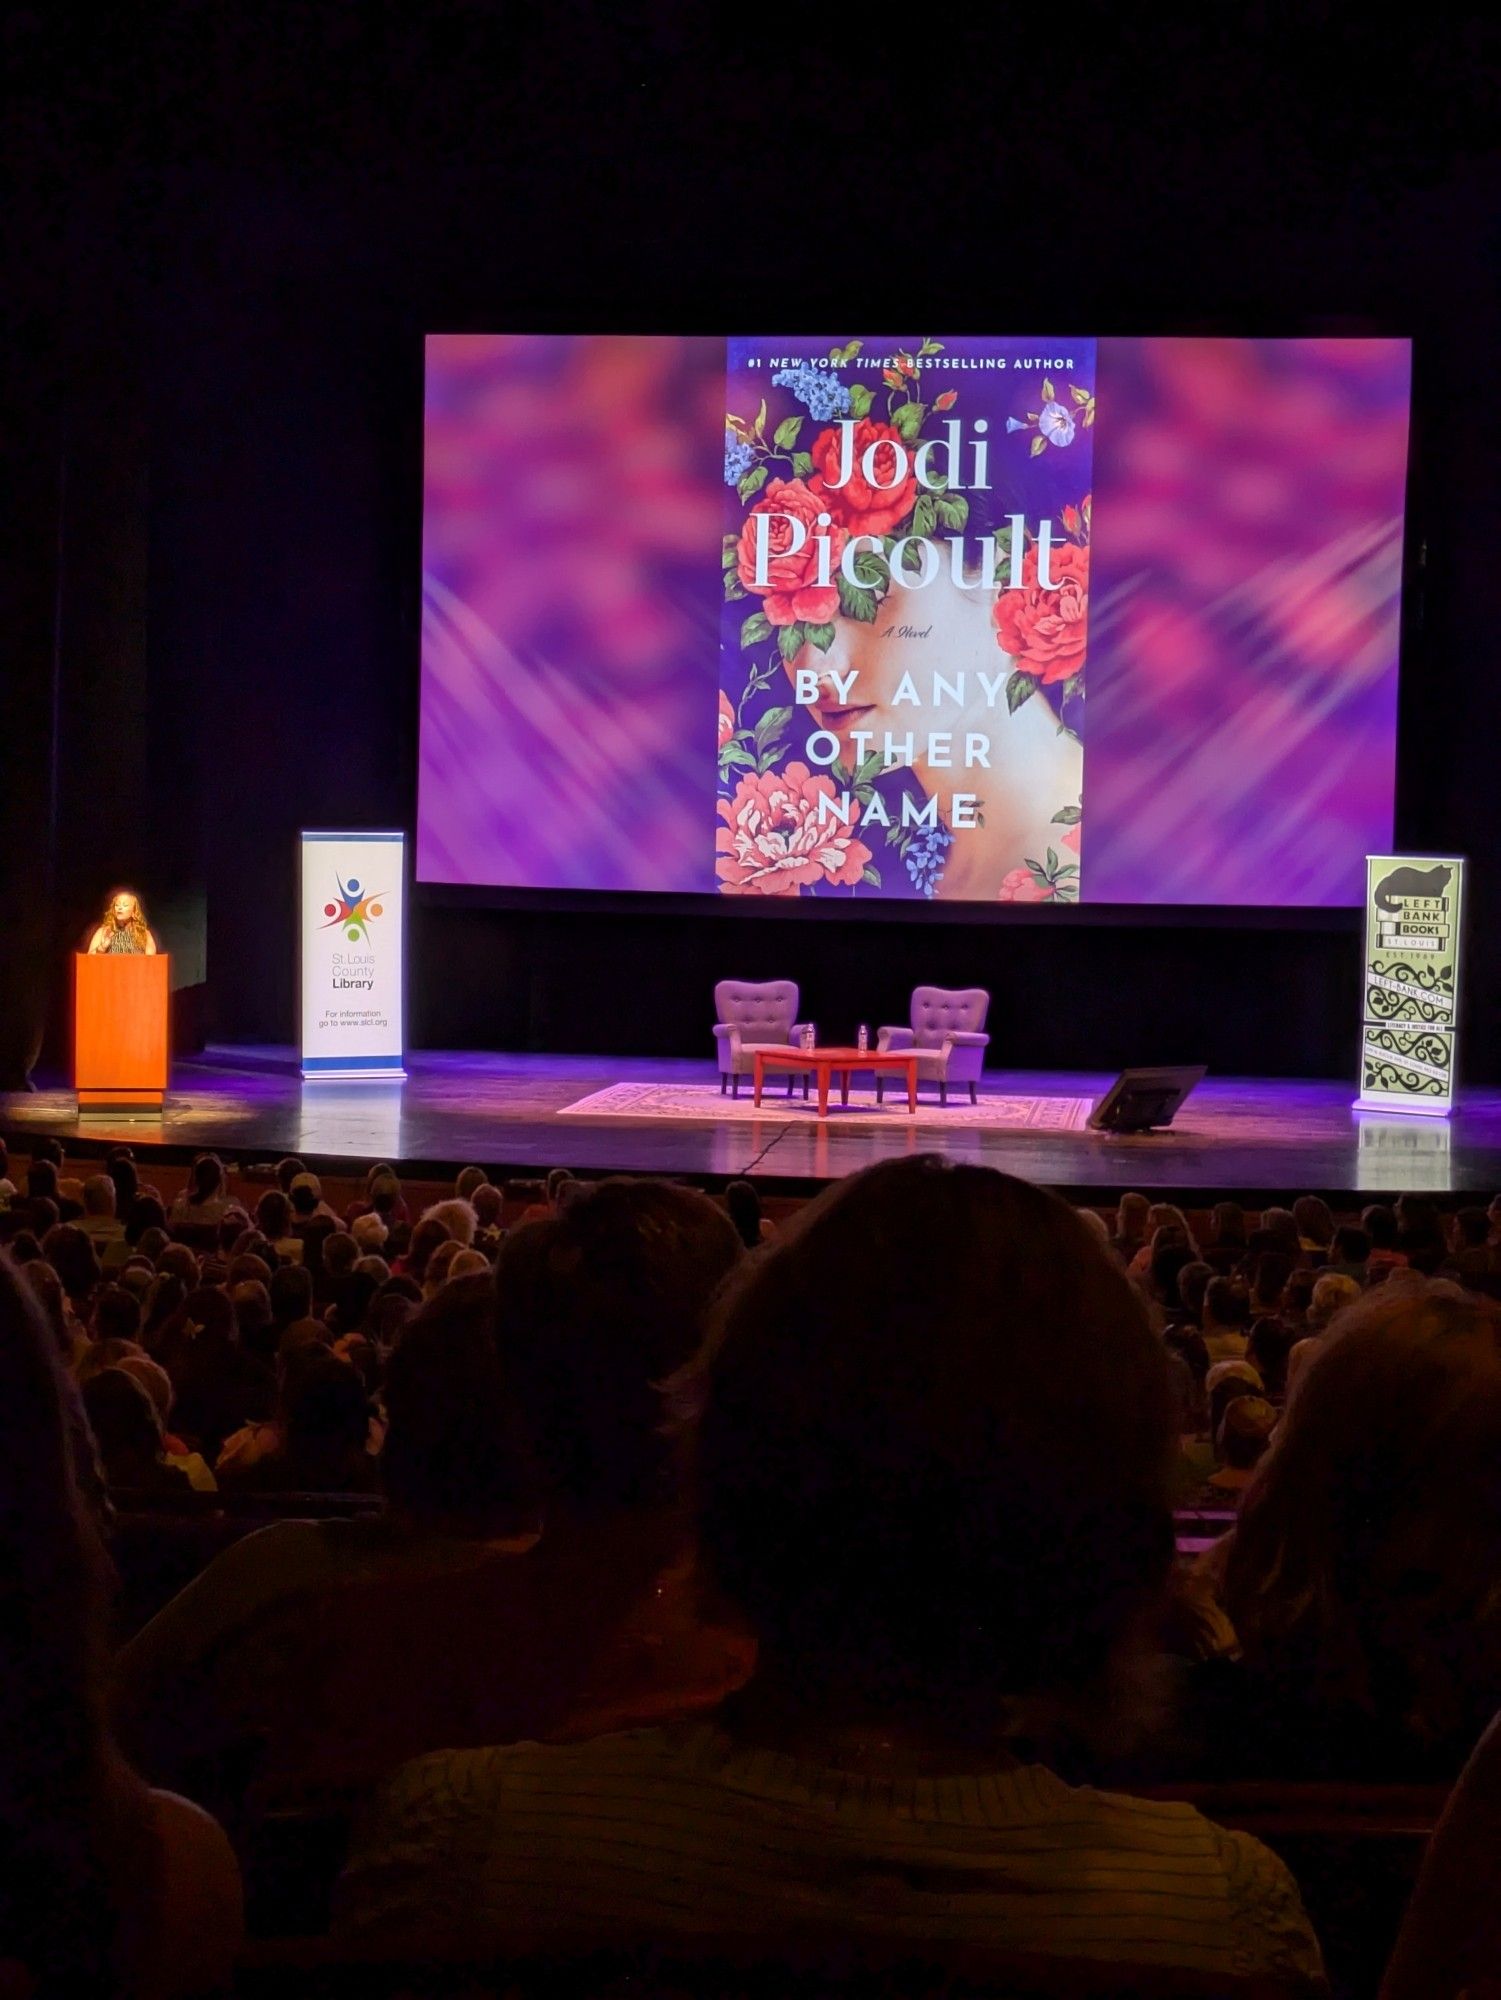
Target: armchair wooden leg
735	1085
723	1079
974	1094
805	1086
791	1079
880	1088
943	1091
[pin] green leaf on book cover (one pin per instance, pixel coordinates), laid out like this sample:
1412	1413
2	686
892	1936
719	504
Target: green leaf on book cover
855	602
771	724
789	641
752	483
761	419
907	418
1067	816
931	347
756	628
787	431
1079	395
953	509
922	517
872	876
1019	688
871	570
735	753
733	587
1039	446
1049	393
821	636
861	399
870	769
911	559
729	549
802	465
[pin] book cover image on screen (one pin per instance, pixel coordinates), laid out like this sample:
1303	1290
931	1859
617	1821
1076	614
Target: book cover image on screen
993	620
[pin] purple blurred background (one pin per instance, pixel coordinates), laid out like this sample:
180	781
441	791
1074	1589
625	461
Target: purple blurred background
1245	587
1244	601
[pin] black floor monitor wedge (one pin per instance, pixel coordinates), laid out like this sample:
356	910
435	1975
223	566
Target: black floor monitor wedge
1142	1098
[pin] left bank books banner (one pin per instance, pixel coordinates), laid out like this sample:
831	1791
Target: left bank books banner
353	944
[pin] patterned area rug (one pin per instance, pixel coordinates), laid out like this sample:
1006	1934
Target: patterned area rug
702	1102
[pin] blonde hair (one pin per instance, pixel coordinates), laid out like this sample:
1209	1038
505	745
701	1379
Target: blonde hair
139	935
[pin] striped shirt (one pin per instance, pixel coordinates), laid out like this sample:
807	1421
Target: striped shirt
678	1835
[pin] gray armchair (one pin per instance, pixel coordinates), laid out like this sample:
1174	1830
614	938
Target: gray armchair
752	1013
946	1035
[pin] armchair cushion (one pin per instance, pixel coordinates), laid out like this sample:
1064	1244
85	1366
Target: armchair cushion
964	1038
889	1039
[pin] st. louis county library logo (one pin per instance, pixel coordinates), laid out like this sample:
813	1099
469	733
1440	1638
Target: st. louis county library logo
355	910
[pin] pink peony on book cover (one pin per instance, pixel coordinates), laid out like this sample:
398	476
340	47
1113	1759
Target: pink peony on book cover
903	638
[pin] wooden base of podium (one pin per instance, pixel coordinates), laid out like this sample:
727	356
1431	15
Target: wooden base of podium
120	1100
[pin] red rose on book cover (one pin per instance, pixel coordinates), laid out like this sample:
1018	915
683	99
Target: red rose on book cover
865	509
1045	631
791	590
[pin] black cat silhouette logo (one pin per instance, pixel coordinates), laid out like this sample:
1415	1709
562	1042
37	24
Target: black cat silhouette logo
1410	882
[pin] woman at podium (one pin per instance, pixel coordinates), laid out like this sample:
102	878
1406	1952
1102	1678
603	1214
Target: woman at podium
124	926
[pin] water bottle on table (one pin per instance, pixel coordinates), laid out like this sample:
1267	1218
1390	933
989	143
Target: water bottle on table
862	1039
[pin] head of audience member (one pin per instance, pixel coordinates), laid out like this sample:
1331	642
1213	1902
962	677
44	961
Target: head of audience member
1270	1342
467	1264
273	1215
287	1171
391	1311
246	1268
376	1268
560	1188
137	1275
1281	1225
384	1193
325	1414
24	1248
438	1266
121	1168
48	1150
457	1218
1332	1292
196	1339
205	1185
41	1179
955	1488
1131	1219
1363	1572
1315	1222
596	1307
99	1198
1170	1257
145	1217
743	1206
1297	1296
1225	1381
305	1194
106	1354
1351	1250
426	1237
1193	1281
1167	1215
291	1294
1227	1308
181	1261
1380	1225
254	1329
340	1254
162	1301
153	1378
1227	1226
488	1203
317	1232
469	1178
1472	1228
369	1233
1420	1233
1245	1432
352	1299
116	1315
455	1459
127	1431
43	1215
72	1255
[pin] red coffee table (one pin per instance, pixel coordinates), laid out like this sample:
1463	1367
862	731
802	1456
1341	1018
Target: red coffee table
826	1063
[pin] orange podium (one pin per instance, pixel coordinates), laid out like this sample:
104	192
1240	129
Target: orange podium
120	1013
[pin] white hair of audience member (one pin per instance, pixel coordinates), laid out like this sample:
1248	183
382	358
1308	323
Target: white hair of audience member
372	1267
468	1264
369	1232
457	1217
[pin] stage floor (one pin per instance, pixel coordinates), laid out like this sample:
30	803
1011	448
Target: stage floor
1249	1137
